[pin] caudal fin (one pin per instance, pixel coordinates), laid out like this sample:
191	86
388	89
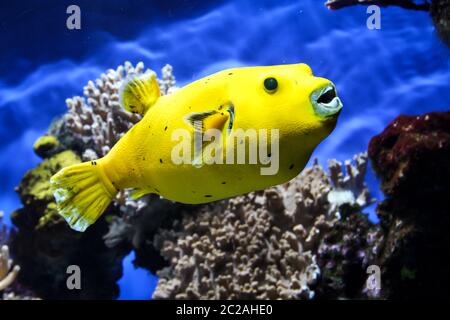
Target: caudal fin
82	193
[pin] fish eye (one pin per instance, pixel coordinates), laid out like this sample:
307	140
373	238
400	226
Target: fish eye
270	85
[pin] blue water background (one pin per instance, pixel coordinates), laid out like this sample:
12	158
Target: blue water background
402	68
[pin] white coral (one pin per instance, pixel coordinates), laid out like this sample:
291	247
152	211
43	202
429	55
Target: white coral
349	186
8	273
97	120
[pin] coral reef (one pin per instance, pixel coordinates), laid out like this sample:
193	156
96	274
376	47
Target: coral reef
308	238
311	230
270	244
411	157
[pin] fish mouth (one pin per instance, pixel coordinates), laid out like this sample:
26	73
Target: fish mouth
325	101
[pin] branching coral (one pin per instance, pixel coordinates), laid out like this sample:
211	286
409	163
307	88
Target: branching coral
349	189
260	245
8	272
95	122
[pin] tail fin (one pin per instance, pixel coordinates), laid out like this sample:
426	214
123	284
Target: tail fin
82	193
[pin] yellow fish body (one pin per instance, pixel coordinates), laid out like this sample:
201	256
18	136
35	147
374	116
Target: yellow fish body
230	133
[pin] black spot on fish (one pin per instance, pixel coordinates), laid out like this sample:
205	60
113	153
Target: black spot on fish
143	158
157	190
160	160
132	107
114	185
220	107
230	73
291	166
221	113
208	196
165	128
224	182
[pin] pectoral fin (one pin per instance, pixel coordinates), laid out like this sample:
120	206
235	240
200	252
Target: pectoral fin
211	119
204	121
139	93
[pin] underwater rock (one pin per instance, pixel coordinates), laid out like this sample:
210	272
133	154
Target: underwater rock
440	13
344	255
411	157
46	146
35	185
269	244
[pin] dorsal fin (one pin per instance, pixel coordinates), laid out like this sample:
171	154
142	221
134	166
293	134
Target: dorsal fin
139	93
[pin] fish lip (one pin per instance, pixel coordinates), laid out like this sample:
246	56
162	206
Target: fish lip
328	109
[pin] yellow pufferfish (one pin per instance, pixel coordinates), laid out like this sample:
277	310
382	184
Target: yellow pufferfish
286	101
